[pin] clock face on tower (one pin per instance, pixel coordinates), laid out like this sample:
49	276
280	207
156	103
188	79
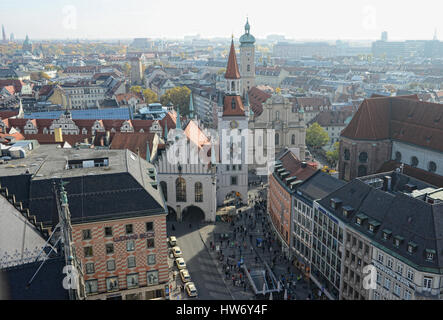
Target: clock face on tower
234	124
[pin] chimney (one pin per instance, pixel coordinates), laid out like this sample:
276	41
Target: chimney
58	135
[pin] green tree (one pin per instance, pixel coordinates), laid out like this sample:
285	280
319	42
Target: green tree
136	89
316	136
150	96
332	155
179	96
127	69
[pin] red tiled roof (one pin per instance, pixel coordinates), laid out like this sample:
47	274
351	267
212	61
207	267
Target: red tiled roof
18	84
403	119
10	89
195	134
256	99
295	167
232	69
239	109
8	114
133	141
72	139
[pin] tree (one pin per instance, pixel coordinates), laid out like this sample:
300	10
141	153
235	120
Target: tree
127	69
136	89
332	155
150	96
179	97
316	136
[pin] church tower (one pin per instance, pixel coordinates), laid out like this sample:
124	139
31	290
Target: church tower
233	118
247	59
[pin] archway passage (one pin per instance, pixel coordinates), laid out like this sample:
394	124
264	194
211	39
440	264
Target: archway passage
172	215
193	214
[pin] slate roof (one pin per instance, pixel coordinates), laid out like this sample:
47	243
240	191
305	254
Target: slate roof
332	118
47	285
108	113
408	217
123	189
319	185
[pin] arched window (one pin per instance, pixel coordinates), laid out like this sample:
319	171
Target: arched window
347	154
180	190
277	139
362	171
398	156
293	139
164	187
198	192
232	86
277	115
248	68
363	157
432	166
414	161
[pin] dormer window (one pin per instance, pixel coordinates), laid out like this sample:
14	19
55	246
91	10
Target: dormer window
361	218
335	203
398	241
347	211
373	225
386	234
430	254
412	246
233	104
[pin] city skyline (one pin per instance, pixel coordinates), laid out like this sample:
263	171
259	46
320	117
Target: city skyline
106	19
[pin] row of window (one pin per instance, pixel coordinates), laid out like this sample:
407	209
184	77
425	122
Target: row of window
130	246
108	231
112	283
277	139
432	166
110	264
399	266
180	190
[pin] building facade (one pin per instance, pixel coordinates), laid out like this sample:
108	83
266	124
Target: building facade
233	118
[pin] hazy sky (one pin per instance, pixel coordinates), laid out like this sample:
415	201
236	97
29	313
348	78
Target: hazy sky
307	19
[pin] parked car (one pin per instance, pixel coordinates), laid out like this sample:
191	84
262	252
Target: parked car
184	274
180	262
177	252
191	290
172	241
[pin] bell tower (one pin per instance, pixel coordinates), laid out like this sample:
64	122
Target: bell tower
247	59
233	118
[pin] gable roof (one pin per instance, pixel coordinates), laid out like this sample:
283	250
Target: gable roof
229	102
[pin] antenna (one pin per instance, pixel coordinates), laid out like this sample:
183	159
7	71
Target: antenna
63	231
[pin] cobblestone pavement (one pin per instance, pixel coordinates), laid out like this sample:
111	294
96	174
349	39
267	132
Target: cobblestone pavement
252	224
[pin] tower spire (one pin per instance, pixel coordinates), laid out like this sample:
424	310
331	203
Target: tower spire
191	107
166	131
178	124
232	69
